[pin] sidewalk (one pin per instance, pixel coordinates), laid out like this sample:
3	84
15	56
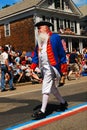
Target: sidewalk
81	79
29	87
72	81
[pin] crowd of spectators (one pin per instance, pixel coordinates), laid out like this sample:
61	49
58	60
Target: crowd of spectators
20	62
77	63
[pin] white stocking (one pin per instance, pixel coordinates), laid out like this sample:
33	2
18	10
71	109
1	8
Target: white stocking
44	102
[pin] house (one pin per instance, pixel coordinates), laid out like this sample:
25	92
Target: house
17	23
83	21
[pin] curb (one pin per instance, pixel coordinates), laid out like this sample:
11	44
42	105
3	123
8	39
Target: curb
67	82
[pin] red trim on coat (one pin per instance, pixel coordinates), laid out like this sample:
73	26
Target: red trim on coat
50	54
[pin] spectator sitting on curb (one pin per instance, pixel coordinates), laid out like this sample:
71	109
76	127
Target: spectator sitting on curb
84	69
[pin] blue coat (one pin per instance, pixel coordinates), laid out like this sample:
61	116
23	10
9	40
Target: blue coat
55	52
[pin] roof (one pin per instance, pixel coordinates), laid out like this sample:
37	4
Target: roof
18	7
83	9
22	6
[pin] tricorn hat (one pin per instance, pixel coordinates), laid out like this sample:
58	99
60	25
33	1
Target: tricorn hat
42	23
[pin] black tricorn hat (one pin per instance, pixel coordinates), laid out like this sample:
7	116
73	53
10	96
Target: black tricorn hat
42	23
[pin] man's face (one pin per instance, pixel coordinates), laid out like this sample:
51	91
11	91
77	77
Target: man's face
42	34
43	29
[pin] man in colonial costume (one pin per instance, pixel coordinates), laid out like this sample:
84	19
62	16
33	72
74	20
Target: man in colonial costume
50	56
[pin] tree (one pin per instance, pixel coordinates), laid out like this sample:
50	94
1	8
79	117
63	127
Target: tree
6	6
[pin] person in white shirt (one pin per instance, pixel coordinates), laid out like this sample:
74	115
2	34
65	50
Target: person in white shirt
5	68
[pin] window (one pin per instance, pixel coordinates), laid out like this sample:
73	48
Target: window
57	3
7	30
65	23
47	19
61	23
43	17
52	20
63	4
75	27
50	2
72	26
57	24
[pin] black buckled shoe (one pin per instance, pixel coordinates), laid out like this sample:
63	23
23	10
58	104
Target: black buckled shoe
39	115
61	84
11	89
3	90
63	106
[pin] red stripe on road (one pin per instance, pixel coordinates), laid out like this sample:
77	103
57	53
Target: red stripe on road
52	119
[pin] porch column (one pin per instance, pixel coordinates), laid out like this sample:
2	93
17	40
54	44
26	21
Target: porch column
55	25
70	44
80	46
78	28
36	19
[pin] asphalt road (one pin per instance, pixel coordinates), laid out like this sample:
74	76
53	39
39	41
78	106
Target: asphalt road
16	107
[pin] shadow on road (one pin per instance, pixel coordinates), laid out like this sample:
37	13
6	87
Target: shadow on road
20	110
32	105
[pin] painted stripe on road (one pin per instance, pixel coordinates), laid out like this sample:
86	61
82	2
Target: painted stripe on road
32	124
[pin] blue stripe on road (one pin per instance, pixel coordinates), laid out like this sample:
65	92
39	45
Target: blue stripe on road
51	115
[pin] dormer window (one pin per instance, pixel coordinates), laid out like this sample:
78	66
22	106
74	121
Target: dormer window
50	2
57	3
